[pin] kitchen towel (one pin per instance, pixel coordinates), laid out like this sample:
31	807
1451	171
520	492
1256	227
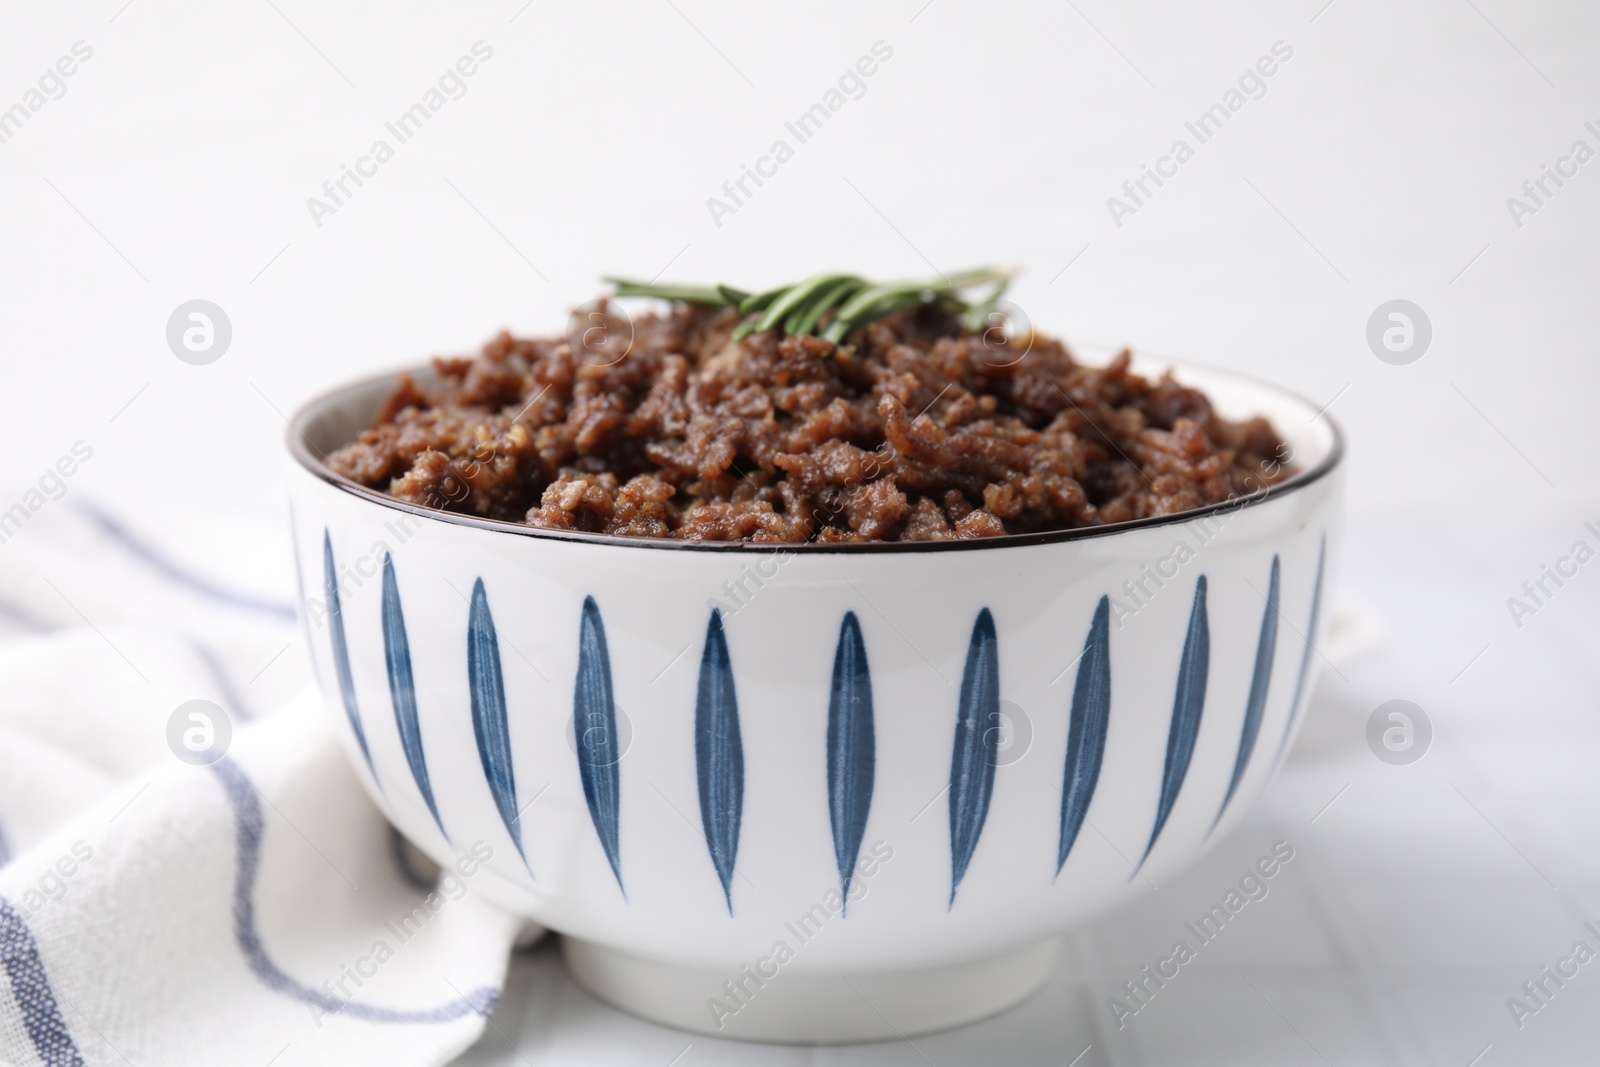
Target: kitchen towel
189	870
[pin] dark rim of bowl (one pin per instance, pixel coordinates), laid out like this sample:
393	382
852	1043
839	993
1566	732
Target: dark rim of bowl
300	448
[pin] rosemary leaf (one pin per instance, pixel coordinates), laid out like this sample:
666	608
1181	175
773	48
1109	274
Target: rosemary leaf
873	295
794	298
685	293
760	301
834	294
791	325
881	307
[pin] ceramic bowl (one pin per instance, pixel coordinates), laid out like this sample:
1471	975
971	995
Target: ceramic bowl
816	793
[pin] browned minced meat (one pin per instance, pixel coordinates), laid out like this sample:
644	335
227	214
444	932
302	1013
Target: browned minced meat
914	431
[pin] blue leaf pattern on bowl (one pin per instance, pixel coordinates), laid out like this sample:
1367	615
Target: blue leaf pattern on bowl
851	756
403	690
1086	732
719	755
1260	678
594	728
341	651
852	752
489	722
1187	704
976	750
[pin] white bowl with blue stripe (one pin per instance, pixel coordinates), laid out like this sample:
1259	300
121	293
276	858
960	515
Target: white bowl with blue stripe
818	792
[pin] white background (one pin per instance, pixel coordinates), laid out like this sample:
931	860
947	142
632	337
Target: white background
1377	166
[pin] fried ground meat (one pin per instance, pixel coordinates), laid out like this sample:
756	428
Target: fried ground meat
915	430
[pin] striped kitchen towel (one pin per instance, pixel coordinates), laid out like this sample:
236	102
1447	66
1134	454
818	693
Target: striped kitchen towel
216	889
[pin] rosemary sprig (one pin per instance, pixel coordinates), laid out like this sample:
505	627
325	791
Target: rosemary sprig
845	301
688	294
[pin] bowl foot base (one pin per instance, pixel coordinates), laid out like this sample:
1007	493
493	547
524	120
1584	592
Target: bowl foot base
809	1008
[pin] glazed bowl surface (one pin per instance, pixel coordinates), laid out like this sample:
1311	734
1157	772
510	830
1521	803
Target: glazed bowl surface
886	758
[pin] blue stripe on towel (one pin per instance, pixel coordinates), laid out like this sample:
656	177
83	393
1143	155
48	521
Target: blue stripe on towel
41	1015
247	816
225	687
24	617
176	572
